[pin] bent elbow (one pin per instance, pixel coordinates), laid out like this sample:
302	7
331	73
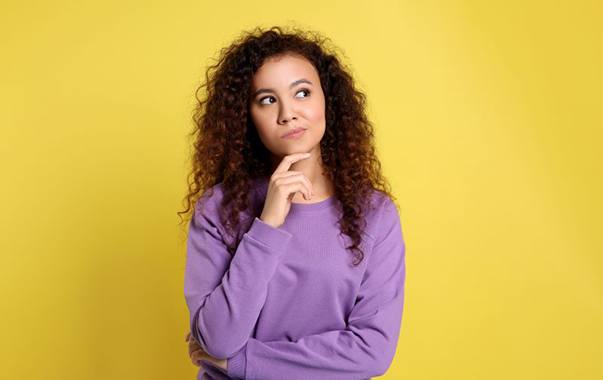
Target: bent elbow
216	342
382	367
223	351
219	347
385	361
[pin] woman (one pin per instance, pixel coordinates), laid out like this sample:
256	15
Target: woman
295	262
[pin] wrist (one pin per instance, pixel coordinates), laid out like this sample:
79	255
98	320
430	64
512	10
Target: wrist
270	222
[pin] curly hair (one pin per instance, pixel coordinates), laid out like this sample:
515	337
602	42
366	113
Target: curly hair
227	148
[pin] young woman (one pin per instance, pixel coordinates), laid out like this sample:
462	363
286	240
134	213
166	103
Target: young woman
295	265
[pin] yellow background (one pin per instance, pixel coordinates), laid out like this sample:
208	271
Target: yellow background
488	117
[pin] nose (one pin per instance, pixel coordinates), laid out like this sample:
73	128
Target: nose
286	113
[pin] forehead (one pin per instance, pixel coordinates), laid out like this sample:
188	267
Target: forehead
279	72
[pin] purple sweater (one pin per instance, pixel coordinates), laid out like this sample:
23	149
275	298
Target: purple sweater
289	304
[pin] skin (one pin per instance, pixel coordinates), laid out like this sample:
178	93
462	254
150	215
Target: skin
196	353
283	108
285	93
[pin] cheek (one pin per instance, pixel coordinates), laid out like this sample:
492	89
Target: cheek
264	128
260	122
315	110
316	113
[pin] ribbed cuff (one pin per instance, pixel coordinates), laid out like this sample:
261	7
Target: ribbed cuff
268	235
236	364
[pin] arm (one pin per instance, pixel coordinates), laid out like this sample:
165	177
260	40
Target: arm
225	295
365	348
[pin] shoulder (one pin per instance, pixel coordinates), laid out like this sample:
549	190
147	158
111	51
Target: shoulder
381	215
209	202
387	207
209	208
213	196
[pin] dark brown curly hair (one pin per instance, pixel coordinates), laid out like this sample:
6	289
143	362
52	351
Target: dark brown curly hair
227	148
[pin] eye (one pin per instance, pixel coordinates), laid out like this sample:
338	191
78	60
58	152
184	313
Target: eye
266	97
304	90
261	101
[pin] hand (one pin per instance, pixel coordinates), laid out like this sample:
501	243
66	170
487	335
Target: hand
284	183
197	354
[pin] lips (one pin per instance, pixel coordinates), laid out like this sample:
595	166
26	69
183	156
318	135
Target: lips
295	130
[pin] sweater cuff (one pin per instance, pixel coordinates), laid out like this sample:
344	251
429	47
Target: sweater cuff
236	365
268	235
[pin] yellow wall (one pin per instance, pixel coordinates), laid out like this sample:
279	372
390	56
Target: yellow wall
488	118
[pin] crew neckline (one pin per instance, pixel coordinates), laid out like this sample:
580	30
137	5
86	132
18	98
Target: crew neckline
303	207
313	206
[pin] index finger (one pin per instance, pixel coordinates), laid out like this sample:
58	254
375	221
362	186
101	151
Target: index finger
289	160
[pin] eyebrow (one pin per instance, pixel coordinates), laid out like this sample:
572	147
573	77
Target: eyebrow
261	90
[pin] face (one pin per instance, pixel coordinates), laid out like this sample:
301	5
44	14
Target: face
286	94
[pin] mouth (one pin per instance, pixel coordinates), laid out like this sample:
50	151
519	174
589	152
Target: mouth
294	133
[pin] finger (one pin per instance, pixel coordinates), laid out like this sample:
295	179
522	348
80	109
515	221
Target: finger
295	176
196	360
193	348
292	188
286	174
292	173
199	351
289	160
198	354
300	178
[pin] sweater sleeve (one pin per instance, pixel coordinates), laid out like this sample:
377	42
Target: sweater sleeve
225	294
366	347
